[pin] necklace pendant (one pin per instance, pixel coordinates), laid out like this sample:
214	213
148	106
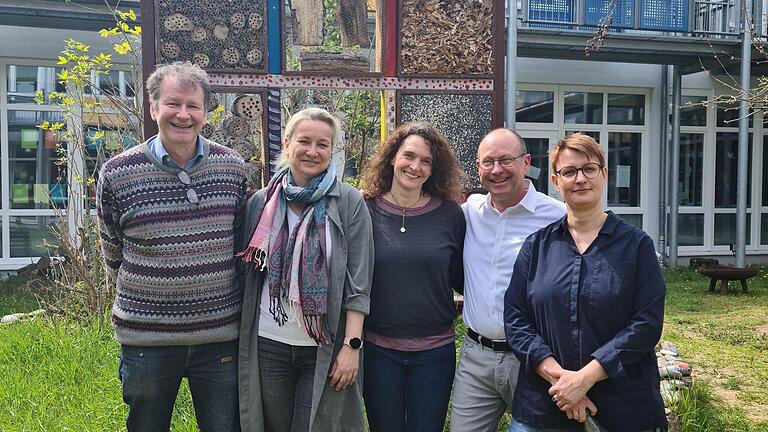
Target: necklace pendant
402	229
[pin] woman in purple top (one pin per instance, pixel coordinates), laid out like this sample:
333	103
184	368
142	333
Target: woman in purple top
413	186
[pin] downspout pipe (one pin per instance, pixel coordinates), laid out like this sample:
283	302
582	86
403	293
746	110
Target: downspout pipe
664	156
741	176
510	86
674	171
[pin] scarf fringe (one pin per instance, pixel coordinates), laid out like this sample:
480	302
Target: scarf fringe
314	326
277	310
255	255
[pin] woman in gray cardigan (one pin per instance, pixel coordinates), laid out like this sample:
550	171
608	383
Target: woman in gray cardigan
308	251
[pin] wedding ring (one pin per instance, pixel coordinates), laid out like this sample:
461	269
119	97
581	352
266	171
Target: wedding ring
554	399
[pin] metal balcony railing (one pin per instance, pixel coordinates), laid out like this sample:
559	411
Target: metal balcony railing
693	18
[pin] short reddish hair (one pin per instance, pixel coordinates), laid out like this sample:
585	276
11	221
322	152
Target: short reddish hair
579	143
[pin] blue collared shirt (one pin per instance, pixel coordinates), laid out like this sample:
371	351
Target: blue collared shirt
158	151
605	304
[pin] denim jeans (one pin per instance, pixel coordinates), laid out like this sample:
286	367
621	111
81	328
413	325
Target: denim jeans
407	391
151	377
287	374
516	426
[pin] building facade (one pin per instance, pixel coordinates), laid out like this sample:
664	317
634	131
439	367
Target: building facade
617	95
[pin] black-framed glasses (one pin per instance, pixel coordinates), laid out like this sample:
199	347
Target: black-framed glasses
186	181
590	171
504	162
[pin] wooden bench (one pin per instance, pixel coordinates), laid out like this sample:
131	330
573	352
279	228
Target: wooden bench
725	274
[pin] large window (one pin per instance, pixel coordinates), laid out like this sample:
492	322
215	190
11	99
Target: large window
690	229
690	169
29	235
626	109
725	229
708	166
539	170
691	221
37	176
764	200
764	229
765	171
728	116
624	169
25	81
584	108
34	164
535	106
693	111
617	121
115	82
726	169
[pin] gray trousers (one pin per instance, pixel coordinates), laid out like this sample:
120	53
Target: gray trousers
483	387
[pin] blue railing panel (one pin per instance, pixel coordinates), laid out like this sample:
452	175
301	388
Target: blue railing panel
555	11
623	14
669	15
551	10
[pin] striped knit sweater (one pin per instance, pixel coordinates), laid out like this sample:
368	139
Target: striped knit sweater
173	261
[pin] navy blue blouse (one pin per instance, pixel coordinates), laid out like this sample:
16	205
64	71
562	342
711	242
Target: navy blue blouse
605	304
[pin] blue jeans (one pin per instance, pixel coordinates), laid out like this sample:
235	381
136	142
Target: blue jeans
516	426
287	374
151	377
407	391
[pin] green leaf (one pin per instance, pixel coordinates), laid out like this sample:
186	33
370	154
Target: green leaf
123	48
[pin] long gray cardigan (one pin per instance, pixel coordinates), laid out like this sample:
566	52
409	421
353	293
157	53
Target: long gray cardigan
350	277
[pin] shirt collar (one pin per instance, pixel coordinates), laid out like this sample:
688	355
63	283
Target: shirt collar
158	150
609	226
528	201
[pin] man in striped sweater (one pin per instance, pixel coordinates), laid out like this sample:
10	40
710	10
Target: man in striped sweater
168	211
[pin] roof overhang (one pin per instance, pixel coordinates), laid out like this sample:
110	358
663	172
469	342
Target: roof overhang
39	15
694	54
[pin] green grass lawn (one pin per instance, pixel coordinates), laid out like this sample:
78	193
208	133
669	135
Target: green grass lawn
725	338
63	376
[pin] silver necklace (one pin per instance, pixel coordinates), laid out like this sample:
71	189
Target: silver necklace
402	222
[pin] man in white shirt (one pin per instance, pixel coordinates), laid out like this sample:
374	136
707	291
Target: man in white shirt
497	225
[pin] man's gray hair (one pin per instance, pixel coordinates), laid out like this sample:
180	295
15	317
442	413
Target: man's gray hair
188	74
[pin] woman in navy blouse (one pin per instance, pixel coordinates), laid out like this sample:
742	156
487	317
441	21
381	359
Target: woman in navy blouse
584	310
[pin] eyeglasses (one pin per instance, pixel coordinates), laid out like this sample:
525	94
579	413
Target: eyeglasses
191	193
590	171
505	162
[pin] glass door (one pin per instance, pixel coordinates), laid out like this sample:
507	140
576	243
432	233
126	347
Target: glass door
538	144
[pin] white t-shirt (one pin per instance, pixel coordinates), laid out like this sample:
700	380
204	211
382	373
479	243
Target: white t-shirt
292	331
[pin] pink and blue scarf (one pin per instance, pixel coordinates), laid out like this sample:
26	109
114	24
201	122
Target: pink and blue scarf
297	271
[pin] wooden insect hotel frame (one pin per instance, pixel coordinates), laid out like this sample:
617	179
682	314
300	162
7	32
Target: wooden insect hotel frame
433	60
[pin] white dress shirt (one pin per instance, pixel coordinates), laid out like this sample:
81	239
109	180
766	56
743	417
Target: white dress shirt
491	245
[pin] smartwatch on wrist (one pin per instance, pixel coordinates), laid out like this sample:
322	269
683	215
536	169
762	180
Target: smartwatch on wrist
353	342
